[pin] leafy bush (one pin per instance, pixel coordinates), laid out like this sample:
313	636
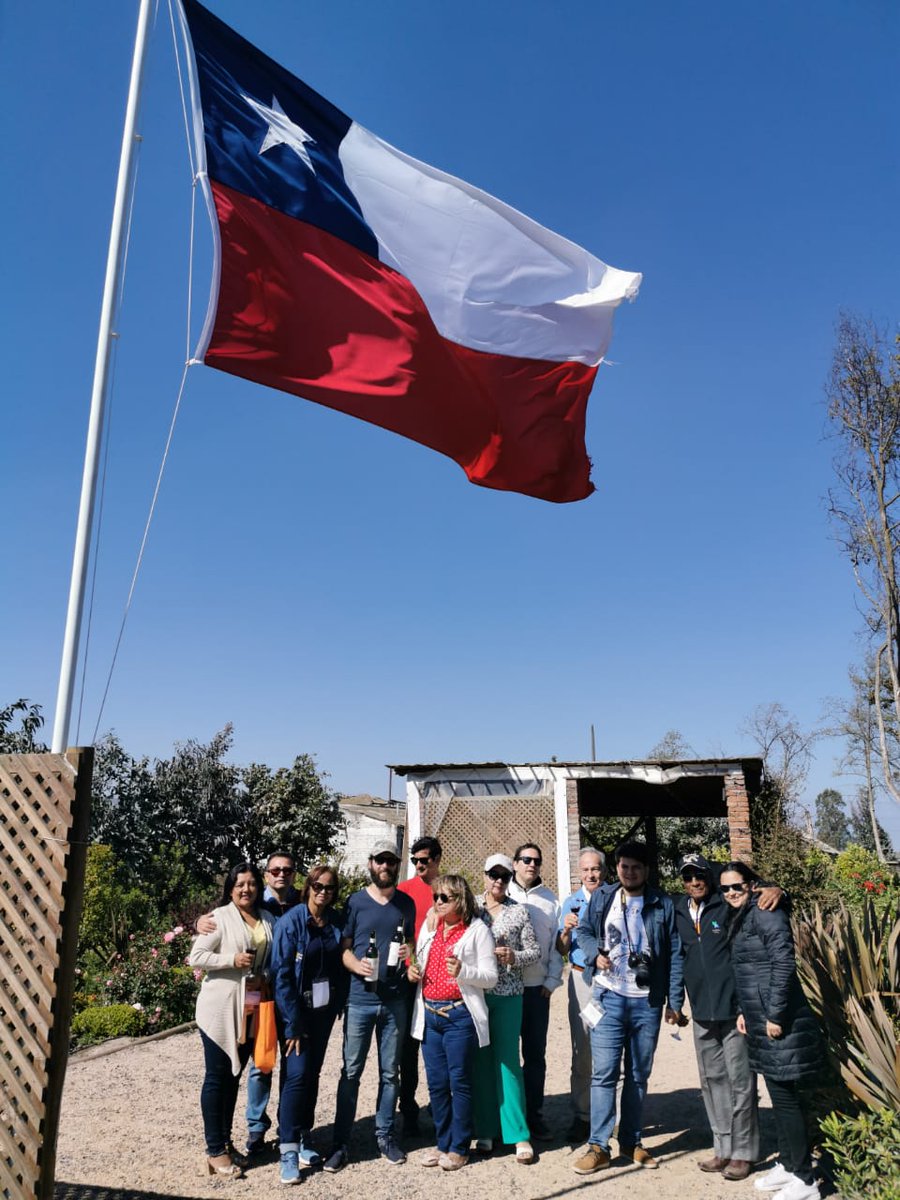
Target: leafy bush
859	876
99	1022
154	974
783	856
866	1153
111	909
850	968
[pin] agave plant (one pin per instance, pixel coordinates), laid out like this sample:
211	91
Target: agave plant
850	968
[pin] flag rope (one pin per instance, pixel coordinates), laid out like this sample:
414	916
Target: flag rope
189	362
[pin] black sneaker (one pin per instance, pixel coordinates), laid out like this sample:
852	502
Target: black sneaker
256	1144
337	1160
389	1149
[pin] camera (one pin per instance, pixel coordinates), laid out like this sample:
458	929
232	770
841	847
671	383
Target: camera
639	962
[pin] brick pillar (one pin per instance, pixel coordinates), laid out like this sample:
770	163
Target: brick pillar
573	822
738	804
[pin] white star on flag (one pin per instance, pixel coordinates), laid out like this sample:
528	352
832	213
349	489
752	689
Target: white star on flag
281	130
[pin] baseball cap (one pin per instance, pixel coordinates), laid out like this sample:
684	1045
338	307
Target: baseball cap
499	860
384	846
693	862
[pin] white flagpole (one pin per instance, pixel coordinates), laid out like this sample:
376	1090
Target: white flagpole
99	392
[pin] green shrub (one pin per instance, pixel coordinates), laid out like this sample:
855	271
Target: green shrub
866	1153
859	876
102	1021
153	973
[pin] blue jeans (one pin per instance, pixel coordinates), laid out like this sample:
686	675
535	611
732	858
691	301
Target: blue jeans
535	1023
300	1077
218	1095
387	1020
259	1087
631	1025
448	1049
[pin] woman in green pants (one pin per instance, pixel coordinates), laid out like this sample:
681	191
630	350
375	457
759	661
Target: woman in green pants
499	1090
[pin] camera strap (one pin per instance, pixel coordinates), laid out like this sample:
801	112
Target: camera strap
623	900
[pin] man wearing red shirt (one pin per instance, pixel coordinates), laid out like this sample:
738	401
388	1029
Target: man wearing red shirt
426	860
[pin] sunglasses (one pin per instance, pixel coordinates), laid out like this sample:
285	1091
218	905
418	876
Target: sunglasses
733	887
529	859
385	860
420	862
281	870
502	875
443	898
693	876
322	887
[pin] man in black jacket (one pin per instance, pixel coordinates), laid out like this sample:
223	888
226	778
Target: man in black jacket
727	1083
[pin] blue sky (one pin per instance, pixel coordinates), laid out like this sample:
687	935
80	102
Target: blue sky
334	589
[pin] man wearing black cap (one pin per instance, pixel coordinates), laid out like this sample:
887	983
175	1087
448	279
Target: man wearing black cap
727	1083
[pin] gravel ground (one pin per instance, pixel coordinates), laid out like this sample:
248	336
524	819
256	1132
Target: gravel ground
131	1128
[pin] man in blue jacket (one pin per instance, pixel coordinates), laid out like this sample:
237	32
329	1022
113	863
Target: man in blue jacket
633	961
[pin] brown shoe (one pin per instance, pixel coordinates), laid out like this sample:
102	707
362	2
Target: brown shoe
713	1164
595	1159
453	1161
429	1158
738	1168
639	1157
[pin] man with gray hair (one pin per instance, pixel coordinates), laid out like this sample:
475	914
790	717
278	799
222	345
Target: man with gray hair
592	869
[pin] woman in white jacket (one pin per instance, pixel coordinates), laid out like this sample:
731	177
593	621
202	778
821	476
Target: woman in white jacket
234	956
455	964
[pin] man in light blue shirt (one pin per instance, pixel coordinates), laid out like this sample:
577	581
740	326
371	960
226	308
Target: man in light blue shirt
592	869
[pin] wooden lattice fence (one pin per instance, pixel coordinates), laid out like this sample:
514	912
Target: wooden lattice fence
470	828
44	816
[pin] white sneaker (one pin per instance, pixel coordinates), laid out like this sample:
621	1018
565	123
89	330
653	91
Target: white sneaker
777	1178
798	1190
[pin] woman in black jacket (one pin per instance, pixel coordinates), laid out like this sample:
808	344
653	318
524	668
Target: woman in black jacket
783	1037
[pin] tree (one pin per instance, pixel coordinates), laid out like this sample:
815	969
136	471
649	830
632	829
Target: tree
863	833
21	740
292	809
855	720
831	819
863	395
672	747
785	748
202	806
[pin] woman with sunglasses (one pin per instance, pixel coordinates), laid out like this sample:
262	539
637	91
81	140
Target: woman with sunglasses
234	957
783	1038
499	1083
455	964
310	989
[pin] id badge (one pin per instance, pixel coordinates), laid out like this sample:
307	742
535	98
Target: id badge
321	993
591	1014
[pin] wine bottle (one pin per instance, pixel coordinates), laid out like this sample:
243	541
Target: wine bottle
395	949
371	981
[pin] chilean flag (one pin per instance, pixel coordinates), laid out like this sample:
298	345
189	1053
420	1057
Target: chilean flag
353	275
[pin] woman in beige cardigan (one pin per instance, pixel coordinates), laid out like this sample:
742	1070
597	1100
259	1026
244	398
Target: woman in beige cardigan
234	957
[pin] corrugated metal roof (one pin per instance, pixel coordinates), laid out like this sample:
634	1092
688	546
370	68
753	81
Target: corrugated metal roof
423	768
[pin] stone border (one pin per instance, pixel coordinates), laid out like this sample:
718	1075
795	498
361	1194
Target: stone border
111	1045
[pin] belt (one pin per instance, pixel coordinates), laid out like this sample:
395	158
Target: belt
442	1008
575	967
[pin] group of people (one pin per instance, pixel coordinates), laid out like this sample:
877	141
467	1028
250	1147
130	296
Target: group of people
468	979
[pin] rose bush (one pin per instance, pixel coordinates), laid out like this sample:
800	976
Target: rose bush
154	974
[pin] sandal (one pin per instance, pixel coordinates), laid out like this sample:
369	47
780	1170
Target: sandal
231	1171
524	1153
